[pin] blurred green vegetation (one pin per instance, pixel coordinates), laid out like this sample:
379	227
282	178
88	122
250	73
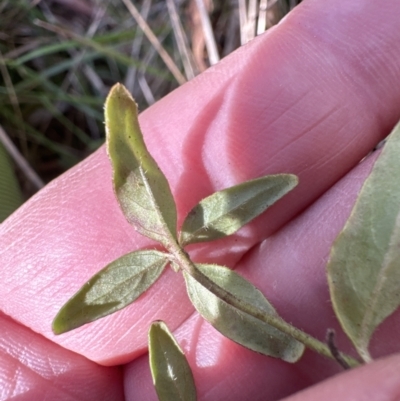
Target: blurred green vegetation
10	192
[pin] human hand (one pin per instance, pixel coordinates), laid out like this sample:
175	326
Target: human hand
311	97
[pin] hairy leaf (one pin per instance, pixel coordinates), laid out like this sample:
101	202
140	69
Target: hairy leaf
111	289
237	325
364	266
224	212
172	376
142	190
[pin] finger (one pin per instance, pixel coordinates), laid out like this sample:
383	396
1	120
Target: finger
377	381
34	368
314	108
289	269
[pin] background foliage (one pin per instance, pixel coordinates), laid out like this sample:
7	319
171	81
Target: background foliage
58	59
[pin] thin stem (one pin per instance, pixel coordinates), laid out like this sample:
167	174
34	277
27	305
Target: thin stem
211	45
20	160
330	340
155	42
183	259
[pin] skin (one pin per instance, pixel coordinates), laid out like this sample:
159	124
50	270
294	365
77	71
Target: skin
311	97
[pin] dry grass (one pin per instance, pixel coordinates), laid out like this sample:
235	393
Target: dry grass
58	59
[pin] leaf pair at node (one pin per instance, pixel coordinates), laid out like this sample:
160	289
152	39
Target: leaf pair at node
363	270
145	198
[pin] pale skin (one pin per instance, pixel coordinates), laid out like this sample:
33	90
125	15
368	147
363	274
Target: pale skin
312	97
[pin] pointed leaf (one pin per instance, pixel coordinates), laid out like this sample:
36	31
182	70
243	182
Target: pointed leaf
364	265
142	190
172	376
111	289
236	325
224	212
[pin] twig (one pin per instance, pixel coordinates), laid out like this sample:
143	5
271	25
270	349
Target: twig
147	91
211	45
330	340
155	42
262	17
251	20
181	40
130	77
243	21
20	160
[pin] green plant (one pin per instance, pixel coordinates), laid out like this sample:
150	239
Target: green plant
229	302
10	193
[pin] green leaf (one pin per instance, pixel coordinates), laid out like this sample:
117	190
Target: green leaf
111	289
142	190
224	212
235	324
172	376
364	266
10	192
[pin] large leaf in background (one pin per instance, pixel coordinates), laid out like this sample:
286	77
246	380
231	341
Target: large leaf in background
172	376
111	289
142	190
10	193
224	212
364	266
237	325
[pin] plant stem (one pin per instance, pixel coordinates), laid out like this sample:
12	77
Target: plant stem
184	261
330	340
